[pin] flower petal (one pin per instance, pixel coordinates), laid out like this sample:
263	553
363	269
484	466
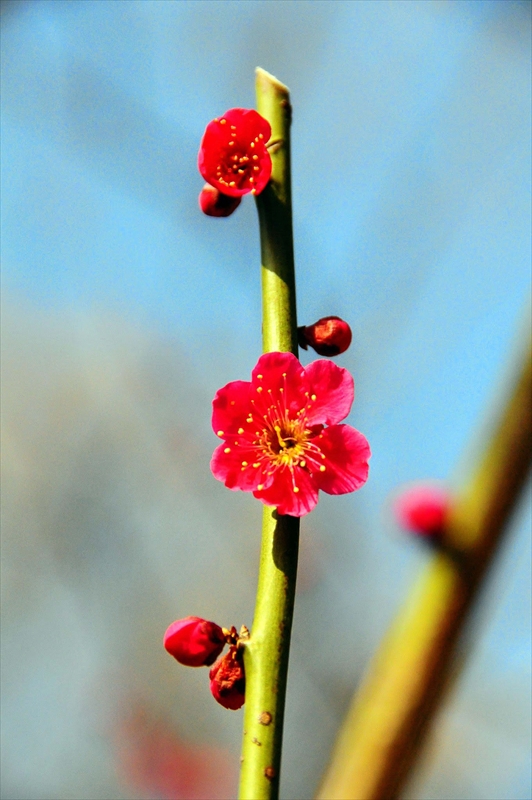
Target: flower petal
230	407
249	123
279	376
234	467
281	493
346	452
331	389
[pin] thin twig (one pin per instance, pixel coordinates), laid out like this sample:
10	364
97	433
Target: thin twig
266	651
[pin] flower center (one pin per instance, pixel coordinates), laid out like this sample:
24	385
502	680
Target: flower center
285	440
236	169
285	445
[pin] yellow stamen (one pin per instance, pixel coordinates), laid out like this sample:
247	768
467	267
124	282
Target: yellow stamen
278	432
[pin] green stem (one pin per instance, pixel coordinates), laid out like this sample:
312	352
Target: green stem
266	652
392	709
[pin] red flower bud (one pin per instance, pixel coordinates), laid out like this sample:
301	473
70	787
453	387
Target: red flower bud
215	204
422	510
228	680
194	642
233	156
329	336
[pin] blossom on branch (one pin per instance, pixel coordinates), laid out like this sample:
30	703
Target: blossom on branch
194	642
233	156
276	443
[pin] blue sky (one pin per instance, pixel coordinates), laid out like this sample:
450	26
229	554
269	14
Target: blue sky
411	185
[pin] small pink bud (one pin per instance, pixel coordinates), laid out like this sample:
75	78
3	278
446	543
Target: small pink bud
228	680
194	642
215	204
423	509
329	336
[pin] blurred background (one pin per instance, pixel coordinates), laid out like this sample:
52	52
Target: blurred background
124	310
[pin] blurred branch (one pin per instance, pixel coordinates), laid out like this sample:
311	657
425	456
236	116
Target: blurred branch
393	708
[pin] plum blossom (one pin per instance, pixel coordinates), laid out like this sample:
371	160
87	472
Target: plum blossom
281	437
233	156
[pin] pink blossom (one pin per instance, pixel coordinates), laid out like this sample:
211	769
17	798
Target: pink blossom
233	156
422	509
275	440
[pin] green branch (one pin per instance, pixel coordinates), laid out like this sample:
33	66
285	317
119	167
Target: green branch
266	652
392	710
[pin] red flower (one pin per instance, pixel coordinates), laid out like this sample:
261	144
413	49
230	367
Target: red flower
233	156
329	336
276	444
228	681
215	204
194	642
423	509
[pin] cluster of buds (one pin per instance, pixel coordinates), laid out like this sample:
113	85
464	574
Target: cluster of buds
196	642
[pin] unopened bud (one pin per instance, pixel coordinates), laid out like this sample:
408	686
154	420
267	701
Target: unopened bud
228	681
329	336
215	204
423	510
194	642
